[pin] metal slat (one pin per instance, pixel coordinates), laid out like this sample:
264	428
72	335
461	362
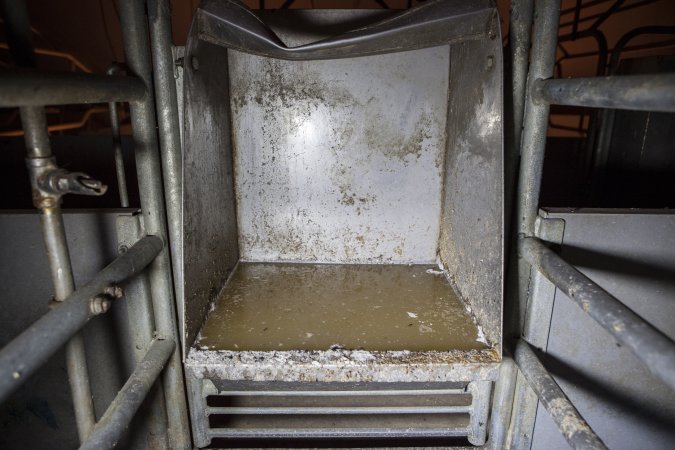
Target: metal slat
336	410
33	88
304	433
355	393
654	92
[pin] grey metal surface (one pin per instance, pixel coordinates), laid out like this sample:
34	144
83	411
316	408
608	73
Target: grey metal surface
502	404
210	249
481	394
148	165
361	409
40	413
353	149
18	88
631	254
26	352
159	18
652	347
108	431
471	244
570	423
655	92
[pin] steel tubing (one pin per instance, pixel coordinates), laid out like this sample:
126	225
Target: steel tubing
159	16
655	92
149	169
33	88
121	411
651	346
28	351
573	427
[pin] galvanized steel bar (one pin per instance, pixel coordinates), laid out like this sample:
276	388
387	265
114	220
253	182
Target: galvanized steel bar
655	92
29	350
651	346
159	15
535	121
573	427
354	393
502	405
337	410
115	69
141	321
33	88
38	148
117	417
520	29
135	37
341	433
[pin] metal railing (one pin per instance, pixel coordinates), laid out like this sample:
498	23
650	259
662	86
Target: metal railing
533	383
159	354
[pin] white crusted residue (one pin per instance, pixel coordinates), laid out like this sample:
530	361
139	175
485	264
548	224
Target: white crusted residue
481	336
435	272
412	315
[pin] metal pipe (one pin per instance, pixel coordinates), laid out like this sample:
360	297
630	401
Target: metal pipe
117	417
502	404
38	148
535	121
519	36
23	355
520	27
159	15
573	427
33	88
654	92
116	69
135	33
651	346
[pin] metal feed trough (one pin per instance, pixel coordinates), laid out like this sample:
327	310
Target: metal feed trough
342	254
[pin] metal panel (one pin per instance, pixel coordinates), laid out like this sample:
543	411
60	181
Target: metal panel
471	239
631	255
341	160
209	220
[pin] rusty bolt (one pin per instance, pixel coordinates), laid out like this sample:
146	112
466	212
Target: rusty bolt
99	304
114	291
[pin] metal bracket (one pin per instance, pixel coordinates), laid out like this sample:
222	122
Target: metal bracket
549	230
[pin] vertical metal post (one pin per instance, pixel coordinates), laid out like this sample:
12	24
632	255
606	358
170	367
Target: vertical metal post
141	329
148	165
159	15
117	145
535	120
533	143
520	27
38	149
502	404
